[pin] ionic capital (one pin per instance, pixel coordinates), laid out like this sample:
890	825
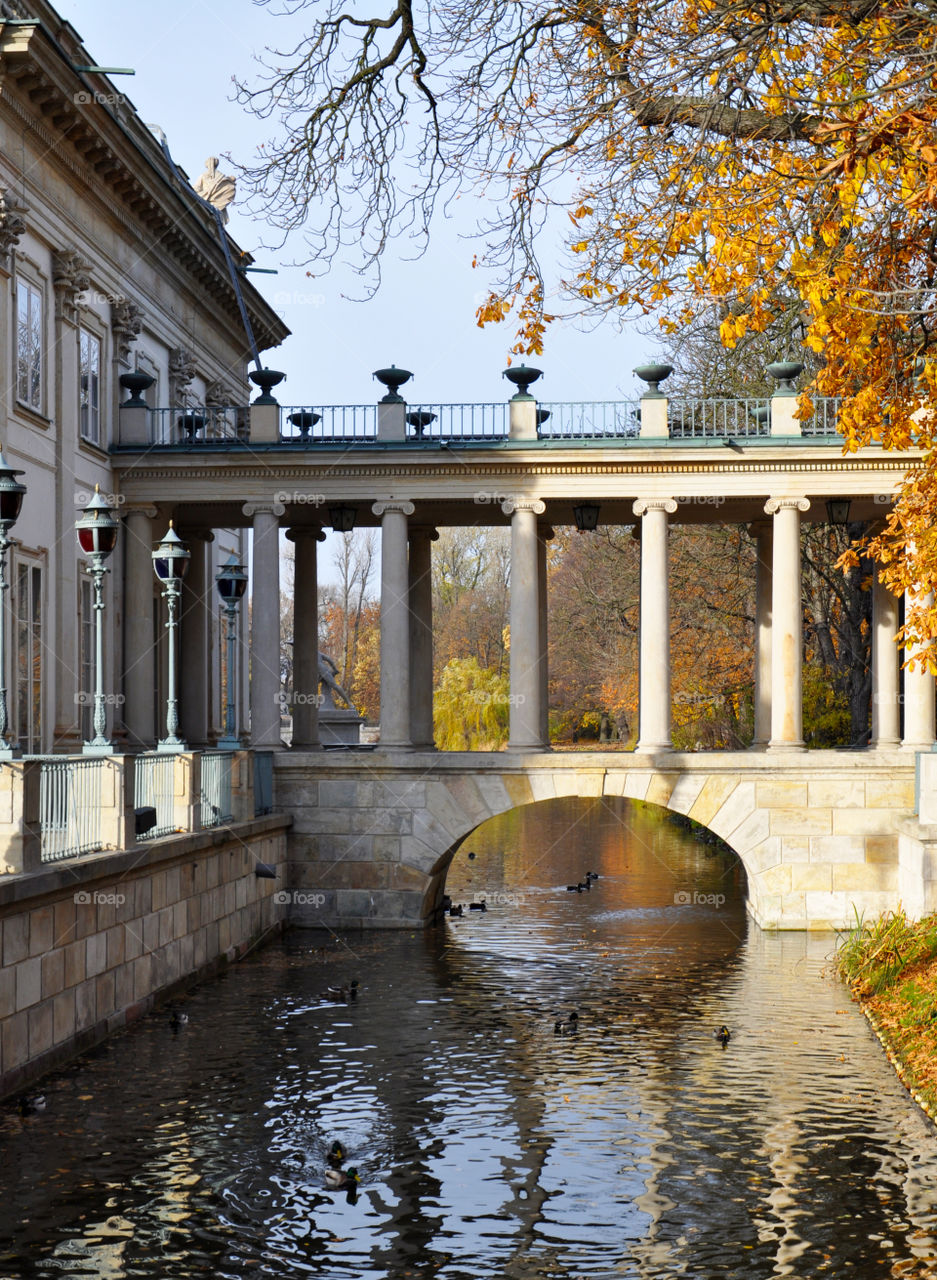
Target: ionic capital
306	531
401	505
139	509
643	505
774	505
536	505
258	506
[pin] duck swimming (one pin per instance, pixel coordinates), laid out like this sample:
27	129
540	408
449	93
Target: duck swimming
336	1156
347	1181
723	1035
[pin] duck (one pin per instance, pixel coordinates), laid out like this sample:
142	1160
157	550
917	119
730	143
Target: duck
592	875
569	1027
347	1181
178	1019
336	1155
341	995
32	1104
478	906
573	888
456	911
723	1035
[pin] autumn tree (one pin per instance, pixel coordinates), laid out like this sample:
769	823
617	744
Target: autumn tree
756	164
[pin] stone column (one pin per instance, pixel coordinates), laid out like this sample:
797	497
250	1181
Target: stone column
526	720
195	640
654	670
762	532
787	636
139	681
886	667
265	624
421	637
918	691
544	534
306	640
395	624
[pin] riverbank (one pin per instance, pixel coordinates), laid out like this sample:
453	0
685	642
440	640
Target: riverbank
890	965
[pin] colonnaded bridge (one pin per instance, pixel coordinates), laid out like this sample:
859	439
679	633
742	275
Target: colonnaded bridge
819	833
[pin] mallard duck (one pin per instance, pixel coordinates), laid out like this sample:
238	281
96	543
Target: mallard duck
336	1156
178	1019
592	875
569	1027
478	906
722	1035
33	1104
347	1181
456	911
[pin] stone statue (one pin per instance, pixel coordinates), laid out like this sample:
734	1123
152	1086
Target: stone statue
217	188
330	686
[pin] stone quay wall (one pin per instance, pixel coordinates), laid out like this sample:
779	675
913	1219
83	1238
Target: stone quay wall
91	943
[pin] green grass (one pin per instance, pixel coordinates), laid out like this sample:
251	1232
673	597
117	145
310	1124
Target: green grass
874	954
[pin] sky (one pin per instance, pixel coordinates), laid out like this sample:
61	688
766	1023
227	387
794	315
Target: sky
185	54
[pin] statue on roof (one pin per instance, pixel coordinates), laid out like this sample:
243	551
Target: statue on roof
217	188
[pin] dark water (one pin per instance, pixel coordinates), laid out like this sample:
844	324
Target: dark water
487	1145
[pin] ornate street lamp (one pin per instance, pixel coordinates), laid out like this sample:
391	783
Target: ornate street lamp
342	518
11	500
232	583
586	515
170	562
97	537
837	510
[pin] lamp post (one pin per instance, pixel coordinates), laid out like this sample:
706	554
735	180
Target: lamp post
11	500
232	582
97	536
170	561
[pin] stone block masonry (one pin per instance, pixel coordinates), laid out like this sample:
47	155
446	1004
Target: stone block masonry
90	944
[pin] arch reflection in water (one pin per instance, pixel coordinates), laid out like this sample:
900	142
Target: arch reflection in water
487	1145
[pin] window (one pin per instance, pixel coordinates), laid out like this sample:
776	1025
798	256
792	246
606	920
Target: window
28	623
86	658
89	369
29	345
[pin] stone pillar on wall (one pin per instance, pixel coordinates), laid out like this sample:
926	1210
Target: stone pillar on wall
420	579
762	532
306	638
654	676
195	633
786	625
395	624
886	667
527	605
544	534
139	648
265	701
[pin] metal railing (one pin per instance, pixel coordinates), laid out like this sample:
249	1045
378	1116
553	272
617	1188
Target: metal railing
263	782
718	419
154	781
825	416
589	420
216	787
69	807
200	425
327	423
437	422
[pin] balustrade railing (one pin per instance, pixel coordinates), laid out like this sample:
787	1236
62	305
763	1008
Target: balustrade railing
328	423
69	807
200	425
154	784
825	416
216	787
589	420
457	421
718	419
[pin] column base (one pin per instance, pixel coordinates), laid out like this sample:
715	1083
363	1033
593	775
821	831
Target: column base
655	748
787	746
918	746
528	746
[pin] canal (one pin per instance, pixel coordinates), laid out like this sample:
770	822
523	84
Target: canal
494	1134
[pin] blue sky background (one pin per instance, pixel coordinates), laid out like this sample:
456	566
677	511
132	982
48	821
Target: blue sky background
185	53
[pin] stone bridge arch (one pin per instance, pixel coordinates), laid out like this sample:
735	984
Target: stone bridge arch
817	833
